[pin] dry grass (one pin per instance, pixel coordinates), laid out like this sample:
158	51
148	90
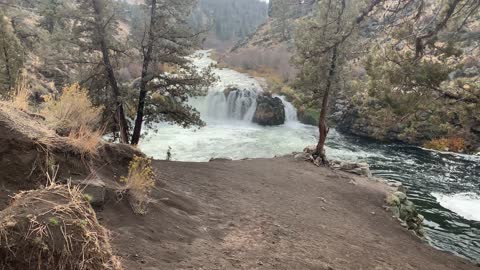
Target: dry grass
71	111
138	184
85	140
54	228
21	94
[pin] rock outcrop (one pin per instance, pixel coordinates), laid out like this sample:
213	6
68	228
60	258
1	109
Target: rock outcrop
270	111
405	210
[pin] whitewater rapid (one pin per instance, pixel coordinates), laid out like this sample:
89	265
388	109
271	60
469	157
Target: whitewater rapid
445	187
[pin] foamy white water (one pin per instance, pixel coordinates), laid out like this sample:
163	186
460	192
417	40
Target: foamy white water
465	204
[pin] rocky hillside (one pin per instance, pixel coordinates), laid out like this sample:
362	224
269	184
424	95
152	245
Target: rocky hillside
278	29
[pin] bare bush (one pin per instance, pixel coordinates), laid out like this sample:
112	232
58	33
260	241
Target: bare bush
138	184
21	94
72	111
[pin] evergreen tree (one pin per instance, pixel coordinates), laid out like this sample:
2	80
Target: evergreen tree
50	10
322	46
95	30
11	55
167	40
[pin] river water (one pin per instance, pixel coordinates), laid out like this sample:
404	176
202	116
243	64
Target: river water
444	186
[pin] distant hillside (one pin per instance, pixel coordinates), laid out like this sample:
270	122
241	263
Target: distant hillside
229	20
278	29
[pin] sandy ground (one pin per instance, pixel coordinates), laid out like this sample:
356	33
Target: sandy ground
266	214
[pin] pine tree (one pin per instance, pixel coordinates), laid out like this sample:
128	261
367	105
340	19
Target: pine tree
51	15
322	46
95	31
11	55
167	40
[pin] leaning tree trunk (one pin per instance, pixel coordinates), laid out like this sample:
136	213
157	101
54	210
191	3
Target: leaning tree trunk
147	59
7	66
119	111
322	125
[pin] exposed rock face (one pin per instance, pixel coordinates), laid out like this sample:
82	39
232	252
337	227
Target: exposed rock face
270	111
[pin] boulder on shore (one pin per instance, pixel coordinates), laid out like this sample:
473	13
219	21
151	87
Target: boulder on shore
404	209
270	111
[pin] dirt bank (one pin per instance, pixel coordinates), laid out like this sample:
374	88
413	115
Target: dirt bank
266	214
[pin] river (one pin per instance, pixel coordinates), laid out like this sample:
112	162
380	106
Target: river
444	186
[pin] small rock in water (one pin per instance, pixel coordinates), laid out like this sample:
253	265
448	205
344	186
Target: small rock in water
420	218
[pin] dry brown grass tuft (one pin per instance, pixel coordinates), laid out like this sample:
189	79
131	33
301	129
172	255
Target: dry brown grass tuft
71	111
139	183
54	228
21	94
85	140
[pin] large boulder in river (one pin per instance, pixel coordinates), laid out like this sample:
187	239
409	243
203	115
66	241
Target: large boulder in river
270	111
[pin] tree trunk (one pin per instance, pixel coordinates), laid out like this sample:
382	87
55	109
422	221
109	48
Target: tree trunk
147	59
119	111
7	65
322	125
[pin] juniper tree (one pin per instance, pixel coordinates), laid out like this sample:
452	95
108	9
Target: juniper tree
414	72
95	32
166	41
11	55
51	12
322	47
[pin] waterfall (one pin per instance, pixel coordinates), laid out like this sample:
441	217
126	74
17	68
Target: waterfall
233	96
290	111
235	104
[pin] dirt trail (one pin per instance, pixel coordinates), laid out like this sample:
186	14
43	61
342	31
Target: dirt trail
267	214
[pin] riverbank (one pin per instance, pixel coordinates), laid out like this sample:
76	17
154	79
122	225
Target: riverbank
266	214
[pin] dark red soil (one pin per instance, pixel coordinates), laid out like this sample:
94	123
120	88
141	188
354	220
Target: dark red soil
266	214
